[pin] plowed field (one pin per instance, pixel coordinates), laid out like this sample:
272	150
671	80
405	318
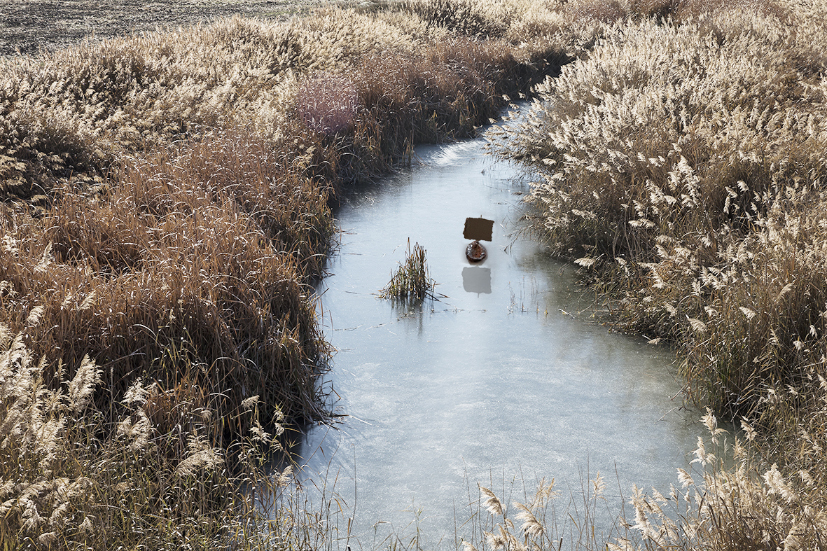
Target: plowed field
27	26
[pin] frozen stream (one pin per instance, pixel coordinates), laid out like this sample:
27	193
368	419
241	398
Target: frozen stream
487	383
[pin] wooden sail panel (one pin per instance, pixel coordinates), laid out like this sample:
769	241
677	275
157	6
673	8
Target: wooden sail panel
479	229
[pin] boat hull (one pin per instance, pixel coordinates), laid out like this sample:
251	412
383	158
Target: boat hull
475	252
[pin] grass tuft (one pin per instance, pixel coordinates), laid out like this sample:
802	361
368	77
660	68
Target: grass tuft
411	282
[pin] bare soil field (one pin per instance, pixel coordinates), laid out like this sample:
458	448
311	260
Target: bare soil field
29	26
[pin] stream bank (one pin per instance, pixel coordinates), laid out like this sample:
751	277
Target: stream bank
505	375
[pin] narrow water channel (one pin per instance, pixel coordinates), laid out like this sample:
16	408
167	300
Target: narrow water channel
506	375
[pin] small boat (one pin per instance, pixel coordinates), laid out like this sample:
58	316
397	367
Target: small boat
475	252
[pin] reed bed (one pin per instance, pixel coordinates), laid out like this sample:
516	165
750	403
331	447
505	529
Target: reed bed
166	207
680	162
151	479
166	204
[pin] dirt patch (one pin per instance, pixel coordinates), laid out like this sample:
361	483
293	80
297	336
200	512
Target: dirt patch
29	26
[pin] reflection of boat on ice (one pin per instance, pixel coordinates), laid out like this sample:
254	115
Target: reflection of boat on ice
475	252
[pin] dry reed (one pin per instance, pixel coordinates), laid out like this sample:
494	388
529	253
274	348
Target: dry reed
681	164
166	206
411	282
72	481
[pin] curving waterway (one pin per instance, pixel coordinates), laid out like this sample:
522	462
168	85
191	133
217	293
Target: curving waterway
506	376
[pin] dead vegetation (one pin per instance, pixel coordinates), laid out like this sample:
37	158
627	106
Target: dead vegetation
166	206
166	203
683	168
411	282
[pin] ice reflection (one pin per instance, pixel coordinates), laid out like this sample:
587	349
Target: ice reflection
476	280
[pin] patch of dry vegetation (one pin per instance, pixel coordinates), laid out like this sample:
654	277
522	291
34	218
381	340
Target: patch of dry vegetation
166	203
73	113
682	165
165	207
70	480
411	282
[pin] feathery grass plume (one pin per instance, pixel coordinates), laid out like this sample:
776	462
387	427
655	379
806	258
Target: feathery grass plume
491	503
598	485
531	526
135	394
81	387
540	524
283	479
200	458
496	540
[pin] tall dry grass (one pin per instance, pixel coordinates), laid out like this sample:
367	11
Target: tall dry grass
751	505
70	480
166	206
731	499
193	260
411	282
69	115
681	163
689	164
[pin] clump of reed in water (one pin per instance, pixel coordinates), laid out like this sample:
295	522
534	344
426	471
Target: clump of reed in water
411	281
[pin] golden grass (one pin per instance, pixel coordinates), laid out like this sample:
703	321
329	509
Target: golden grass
165	208
682	164
174	268
70	480
411	282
